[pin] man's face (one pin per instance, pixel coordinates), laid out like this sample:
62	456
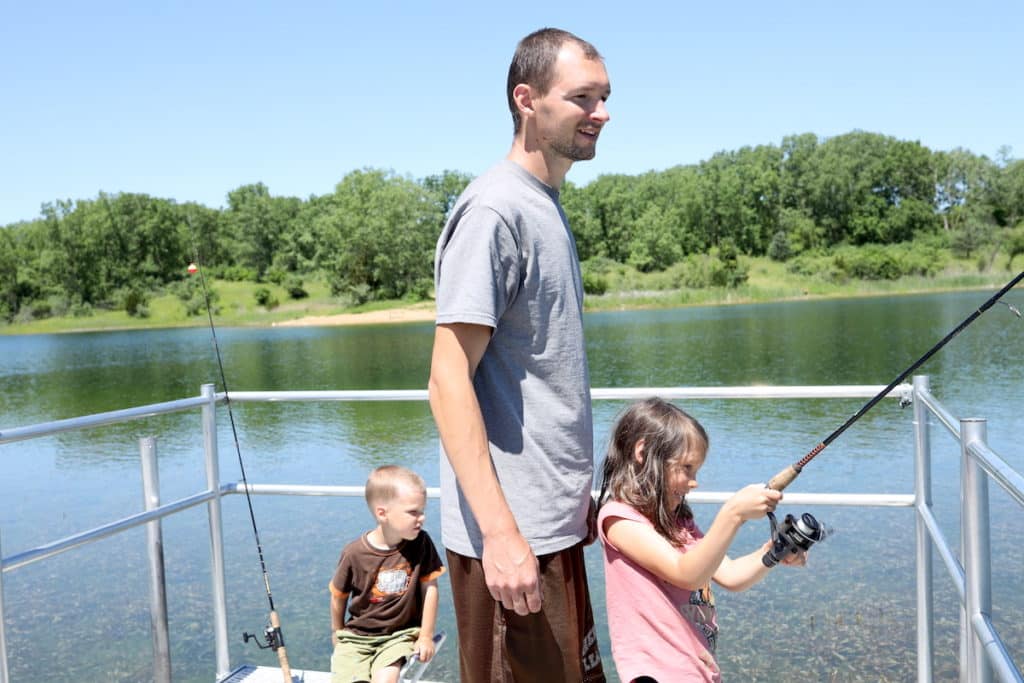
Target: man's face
571	114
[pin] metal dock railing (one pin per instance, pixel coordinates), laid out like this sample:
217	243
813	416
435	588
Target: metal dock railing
983	655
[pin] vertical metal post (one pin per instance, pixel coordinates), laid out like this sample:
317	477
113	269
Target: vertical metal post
155	548
974	525
4	675
923	503
220	610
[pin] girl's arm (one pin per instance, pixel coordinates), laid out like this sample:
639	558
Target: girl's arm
743	572
694	568
425	643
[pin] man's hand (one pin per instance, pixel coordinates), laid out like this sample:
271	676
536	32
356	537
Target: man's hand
512	573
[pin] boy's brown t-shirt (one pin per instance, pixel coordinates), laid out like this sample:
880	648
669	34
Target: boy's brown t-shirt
385	587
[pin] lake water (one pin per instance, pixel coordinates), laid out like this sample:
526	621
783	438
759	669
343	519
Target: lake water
849	616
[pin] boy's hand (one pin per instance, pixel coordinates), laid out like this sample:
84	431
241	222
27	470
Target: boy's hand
424	648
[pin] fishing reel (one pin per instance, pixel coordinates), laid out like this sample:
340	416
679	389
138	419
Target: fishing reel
272	636
792	536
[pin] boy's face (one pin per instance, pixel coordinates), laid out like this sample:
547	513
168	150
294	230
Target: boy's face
404	514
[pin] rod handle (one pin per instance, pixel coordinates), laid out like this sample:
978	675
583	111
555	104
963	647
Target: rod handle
783	478
282	654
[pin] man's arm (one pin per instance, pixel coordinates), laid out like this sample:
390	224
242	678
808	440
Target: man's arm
510	567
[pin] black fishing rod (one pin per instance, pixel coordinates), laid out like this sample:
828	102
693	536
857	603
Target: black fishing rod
786	476
273	635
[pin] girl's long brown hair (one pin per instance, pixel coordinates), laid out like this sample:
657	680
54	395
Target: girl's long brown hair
668	432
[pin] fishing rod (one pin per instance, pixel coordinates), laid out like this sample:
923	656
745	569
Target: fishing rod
786	476
272	634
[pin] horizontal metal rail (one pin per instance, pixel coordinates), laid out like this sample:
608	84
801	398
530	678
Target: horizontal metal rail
97	533
902	391
8	435
945	418
99	419
998	470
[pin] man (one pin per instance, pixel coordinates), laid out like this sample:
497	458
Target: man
510	387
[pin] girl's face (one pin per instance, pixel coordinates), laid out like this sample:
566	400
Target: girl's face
681	475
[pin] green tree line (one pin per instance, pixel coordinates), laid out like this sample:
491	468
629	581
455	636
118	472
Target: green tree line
834	207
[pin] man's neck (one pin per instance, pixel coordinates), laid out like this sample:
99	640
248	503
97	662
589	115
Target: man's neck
550	170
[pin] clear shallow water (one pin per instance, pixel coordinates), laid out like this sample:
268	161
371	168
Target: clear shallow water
848	616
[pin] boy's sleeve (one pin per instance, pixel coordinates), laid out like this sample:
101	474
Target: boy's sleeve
341	583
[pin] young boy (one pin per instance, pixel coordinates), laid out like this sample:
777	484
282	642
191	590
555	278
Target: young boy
388	580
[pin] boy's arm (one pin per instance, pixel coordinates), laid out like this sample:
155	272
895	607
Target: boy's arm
339	601
425	643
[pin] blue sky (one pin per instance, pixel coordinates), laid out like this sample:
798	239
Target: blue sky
189	100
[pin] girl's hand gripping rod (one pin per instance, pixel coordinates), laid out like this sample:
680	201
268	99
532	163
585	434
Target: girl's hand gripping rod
786	476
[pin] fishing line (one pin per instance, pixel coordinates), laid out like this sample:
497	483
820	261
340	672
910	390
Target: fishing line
273	635
786	476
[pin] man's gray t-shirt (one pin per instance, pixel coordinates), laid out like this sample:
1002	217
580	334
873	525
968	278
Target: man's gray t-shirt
507	260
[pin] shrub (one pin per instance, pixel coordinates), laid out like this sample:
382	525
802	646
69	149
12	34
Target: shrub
594	283
190	292
239	274
817	265
780	249
276	274
293	285
81	309
870	262
132	300
265	298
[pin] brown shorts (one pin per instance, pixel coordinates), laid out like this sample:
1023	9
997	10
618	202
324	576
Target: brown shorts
497	645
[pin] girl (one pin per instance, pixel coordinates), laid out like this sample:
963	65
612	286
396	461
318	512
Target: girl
658	564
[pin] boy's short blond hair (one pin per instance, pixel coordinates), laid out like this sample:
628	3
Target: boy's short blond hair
385	482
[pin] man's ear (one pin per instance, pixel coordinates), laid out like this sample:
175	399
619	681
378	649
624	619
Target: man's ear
522	95
638	452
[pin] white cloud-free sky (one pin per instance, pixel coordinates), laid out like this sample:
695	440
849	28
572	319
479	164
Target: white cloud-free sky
189	100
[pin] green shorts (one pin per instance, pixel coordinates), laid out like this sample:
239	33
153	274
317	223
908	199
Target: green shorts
357	658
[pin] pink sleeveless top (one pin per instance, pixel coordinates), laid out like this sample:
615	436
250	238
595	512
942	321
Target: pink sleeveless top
656	629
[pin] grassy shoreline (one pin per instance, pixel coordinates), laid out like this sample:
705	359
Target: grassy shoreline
236	305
